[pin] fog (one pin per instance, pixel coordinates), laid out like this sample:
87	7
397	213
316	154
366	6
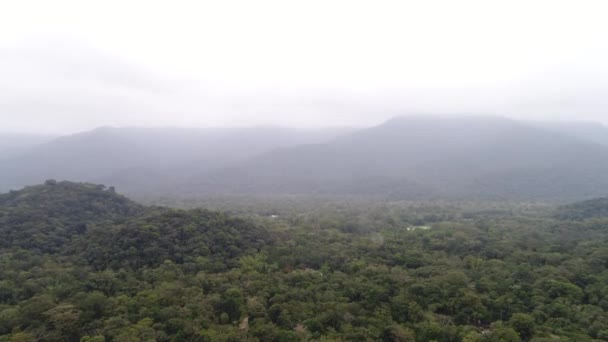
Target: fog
70	66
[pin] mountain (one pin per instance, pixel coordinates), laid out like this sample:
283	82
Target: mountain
147	159
14	144
428	157
46	217
584	130
414	157
107	230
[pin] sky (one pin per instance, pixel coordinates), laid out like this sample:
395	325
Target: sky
68	66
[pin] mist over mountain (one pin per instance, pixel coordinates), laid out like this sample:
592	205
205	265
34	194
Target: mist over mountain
413	157
585	130
274	171
136	159
12	144
420	157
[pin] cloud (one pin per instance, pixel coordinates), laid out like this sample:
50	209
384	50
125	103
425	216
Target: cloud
313	64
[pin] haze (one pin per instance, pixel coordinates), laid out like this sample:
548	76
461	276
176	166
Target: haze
70	66
336	170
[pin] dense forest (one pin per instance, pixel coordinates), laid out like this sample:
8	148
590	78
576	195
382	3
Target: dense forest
80	262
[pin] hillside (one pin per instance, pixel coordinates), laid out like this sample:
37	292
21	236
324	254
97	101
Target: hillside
589	209
86	218
15	144
82	263
426	157
415	157
46	217
588	131
146	159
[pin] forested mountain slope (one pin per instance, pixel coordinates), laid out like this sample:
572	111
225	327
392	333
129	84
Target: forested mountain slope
46	217
429	157
590	209
347	271
66	217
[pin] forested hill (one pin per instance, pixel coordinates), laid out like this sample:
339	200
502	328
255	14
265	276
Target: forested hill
76	201
590	209
46	217
110	230
82	263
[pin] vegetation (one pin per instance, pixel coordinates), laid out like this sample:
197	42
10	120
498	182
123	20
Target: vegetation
82	263
416	157
595	208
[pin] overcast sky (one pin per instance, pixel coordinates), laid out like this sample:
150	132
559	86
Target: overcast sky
67	66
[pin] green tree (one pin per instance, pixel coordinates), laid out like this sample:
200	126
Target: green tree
523	324
397	333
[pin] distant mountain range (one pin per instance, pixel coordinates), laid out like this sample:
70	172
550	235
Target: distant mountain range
15	144
141	160
422	157
414	157
585	130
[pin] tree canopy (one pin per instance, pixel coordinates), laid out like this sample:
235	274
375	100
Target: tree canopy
82	263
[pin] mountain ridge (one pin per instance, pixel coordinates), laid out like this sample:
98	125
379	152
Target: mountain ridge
140	158
445	157
410	157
